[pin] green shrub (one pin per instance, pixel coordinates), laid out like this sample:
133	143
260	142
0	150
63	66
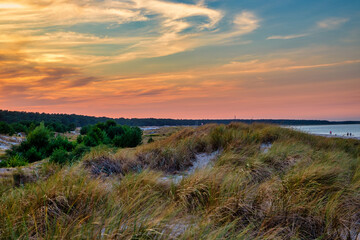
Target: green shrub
150	140
15	161
79	139
115	131
84	130
36	147
6	128
110	123
60	156
135	137
72	127
131	138
94	137
59	142
118	141
40	137
41	144
79	151
110	132
18	127
33	155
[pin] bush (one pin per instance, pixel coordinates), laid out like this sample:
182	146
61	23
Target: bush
6	128
35	147
110	132
60	156
71	127
40	137
134	136
131	138
115	131
18	127
59	142
56	127
3	164
94	137
15	161
118	141
79	151
110	123
84	130
33	155
79	139
40	144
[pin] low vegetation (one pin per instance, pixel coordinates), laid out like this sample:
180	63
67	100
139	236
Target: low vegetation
111	133
28	126
42	143
301	187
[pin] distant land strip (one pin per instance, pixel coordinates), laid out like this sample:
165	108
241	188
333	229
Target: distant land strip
82	120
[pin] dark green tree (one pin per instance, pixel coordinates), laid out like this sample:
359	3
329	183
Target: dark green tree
94	137
19	127
60	156
6	128
116	130
40	137
131	138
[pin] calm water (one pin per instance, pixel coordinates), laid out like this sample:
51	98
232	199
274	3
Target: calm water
339	130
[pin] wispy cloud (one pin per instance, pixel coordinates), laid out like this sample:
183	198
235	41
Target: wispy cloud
10	6
332	23
249	85
327	24
172	29
246	22
68	12
177	11
276	65
286	37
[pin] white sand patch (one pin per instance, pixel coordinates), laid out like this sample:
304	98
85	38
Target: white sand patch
177	228
201	161
6	170
265	147
6	142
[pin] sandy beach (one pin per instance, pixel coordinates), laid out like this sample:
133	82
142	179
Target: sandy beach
336	136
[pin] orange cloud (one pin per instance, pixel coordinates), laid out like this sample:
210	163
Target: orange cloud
258	89
27	21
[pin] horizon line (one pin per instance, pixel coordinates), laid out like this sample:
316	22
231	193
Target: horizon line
194	119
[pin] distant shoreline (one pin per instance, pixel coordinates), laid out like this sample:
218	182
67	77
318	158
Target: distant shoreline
335	136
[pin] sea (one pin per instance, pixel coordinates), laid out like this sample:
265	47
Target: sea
338	130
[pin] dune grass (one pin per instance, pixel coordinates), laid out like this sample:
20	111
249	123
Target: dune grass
303	187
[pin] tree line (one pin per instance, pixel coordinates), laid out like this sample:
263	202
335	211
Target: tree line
28	126
81	120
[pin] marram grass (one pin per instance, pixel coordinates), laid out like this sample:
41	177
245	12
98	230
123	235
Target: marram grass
304	187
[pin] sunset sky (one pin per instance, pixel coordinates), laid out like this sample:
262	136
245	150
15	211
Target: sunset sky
182	58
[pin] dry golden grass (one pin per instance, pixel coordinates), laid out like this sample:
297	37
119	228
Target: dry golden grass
304	187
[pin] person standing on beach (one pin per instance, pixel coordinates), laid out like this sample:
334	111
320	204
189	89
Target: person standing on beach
330	132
